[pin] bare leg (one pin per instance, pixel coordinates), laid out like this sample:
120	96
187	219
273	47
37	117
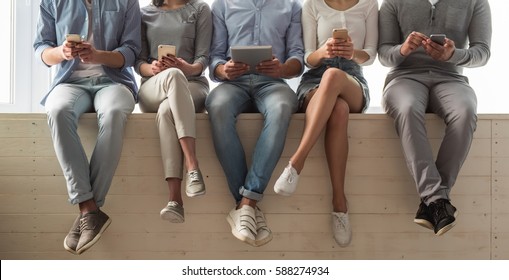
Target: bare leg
175	190
336	151
87	206
189	149
335	83
247	201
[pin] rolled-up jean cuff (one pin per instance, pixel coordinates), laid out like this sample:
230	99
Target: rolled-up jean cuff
250	194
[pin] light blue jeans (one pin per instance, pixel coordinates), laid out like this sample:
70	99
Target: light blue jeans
65	104
250	93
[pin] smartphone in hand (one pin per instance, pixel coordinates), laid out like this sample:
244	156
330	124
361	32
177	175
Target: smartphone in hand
340	33
438	38
164	50
75	38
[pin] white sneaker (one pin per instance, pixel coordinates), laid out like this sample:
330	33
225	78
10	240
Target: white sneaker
341	228
287	182
263	232
243	224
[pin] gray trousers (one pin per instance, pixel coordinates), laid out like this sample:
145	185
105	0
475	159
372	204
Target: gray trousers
65	104
406	99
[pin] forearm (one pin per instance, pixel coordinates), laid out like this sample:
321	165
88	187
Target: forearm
112	59
52	56
291	68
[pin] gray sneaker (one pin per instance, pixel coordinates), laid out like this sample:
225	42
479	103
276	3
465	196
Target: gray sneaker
195	185
72	238
92	225
173	212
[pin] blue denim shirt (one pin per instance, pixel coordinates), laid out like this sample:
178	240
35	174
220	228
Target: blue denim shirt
256	22
116	26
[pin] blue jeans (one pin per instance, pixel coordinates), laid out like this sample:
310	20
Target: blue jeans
65	104
250	93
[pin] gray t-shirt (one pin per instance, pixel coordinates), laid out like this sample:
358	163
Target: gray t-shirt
189	28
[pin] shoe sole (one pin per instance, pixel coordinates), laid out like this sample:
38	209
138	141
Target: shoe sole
69	249
172	217
447	227
281	192
195	194
239	236
424	223
264	241
96	238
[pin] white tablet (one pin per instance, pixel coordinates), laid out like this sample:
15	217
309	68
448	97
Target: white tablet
251	55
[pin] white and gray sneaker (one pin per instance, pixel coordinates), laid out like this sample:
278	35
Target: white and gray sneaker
195	185
341	228
243	224
173	212
286	184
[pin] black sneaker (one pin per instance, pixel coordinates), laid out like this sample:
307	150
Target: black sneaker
422	217
443	214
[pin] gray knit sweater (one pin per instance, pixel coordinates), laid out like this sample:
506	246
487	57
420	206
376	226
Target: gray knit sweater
466	22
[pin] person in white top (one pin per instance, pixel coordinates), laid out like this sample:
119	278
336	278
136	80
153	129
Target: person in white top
332	88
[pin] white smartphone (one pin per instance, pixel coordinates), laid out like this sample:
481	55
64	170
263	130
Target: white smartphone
164	50
75	38
340	33
438	38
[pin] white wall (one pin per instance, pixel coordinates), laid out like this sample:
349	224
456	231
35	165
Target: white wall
31	78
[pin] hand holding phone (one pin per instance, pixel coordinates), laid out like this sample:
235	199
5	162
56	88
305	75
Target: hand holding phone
438	38
165	50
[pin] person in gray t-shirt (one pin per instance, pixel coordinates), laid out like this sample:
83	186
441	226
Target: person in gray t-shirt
174	86
426	76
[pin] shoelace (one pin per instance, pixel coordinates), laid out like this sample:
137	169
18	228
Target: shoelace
173	204
83	224
342	222
290	176
194	176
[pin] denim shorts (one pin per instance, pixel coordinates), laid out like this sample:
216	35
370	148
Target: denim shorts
312	78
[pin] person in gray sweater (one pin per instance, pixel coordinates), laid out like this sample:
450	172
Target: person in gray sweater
426	76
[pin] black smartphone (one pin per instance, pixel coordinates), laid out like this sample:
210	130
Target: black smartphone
438	38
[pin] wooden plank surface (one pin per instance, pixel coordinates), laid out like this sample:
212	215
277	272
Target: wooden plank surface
35	214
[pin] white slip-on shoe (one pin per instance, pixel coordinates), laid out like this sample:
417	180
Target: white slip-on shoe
341	228
243	224
286	184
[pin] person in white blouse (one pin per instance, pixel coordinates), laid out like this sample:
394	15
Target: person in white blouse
332	88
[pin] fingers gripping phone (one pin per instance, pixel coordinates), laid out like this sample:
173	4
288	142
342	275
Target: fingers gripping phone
340	33
164	50
438	38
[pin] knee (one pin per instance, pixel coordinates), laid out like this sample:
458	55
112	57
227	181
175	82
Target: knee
334	75
464	115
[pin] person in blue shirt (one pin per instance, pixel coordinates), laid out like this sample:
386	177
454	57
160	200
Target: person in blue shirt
253	23
93	73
